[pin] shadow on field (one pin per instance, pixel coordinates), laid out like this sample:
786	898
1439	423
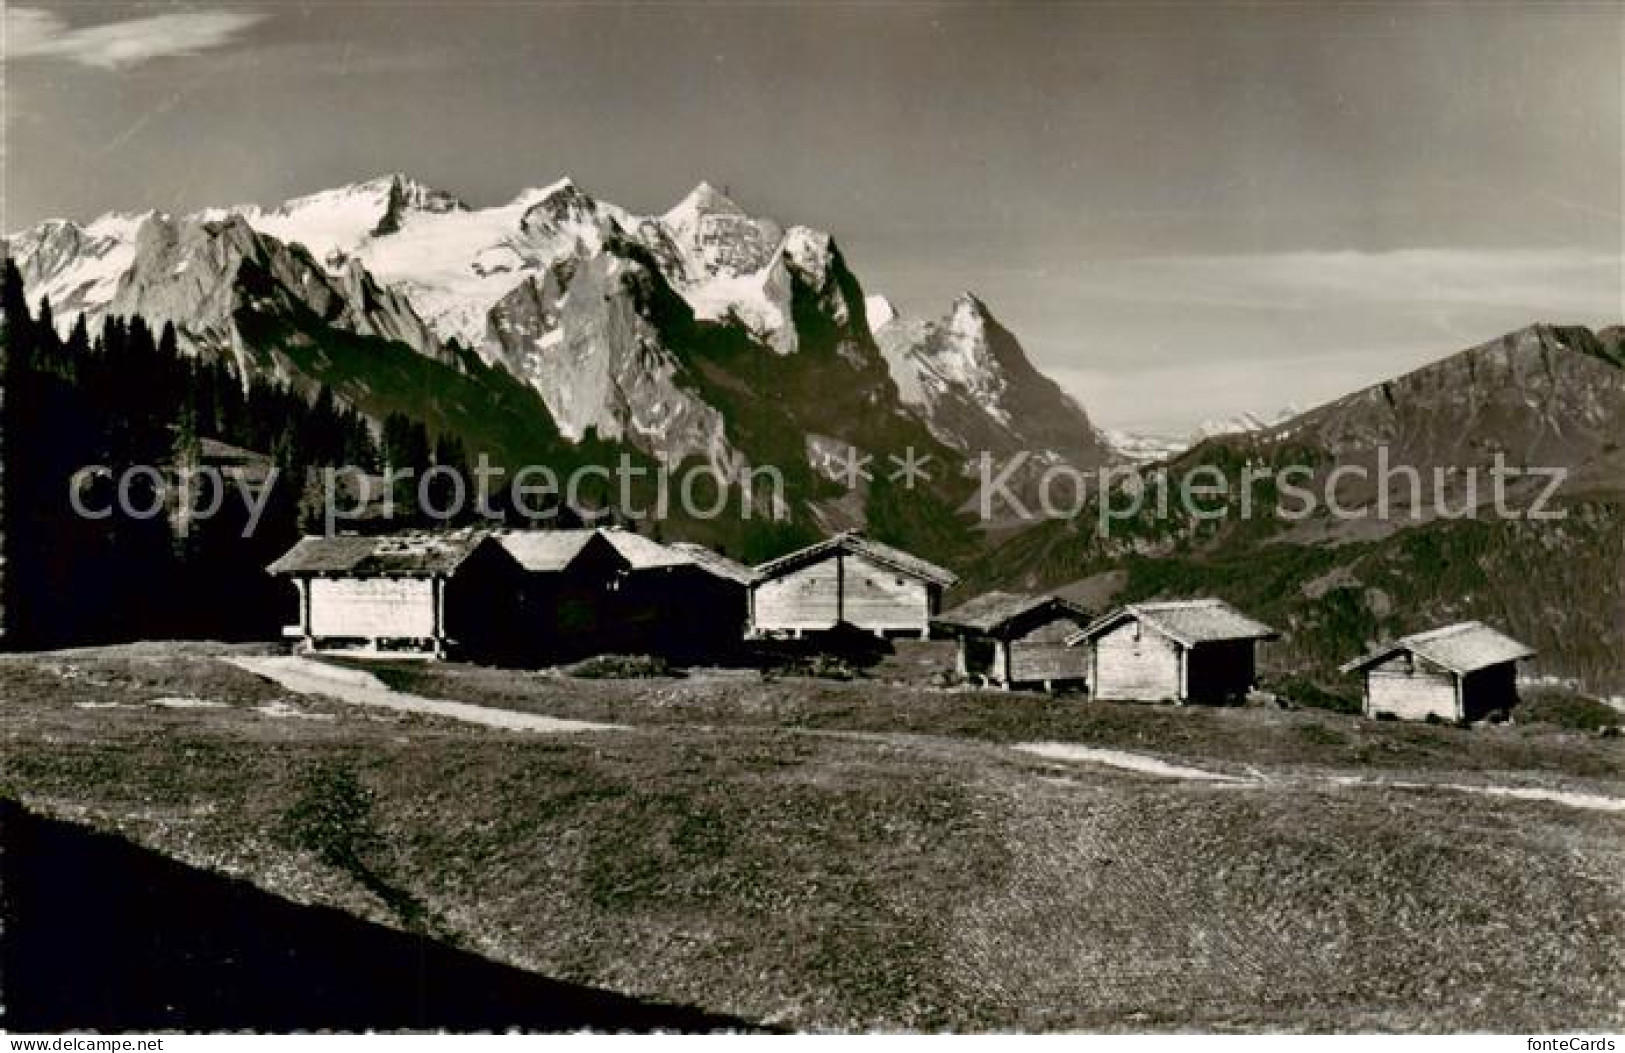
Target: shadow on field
101	934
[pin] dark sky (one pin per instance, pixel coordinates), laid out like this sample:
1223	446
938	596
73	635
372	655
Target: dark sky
1183	210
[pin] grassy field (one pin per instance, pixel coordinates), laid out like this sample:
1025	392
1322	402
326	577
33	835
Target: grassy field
1226	737
827	855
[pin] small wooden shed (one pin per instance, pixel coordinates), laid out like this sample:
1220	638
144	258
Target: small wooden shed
391	594
1458	672
1200	650
1018	640
848	581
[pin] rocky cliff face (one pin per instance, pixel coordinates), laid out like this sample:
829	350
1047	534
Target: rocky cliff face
972	383
582	334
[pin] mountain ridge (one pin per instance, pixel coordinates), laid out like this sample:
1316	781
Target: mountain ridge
396	257
1541	397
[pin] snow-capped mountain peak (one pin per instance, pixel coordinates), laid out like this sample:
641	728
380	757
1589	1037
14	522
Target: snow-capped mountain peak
1145	447
78	267
531	195
335	223
880	311
1242	423
704	200
967	321
715	238
970	380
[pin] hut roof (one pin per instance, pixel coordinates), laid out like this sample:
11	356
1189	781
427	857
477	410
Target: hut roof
993	611
716	563
545	551
644	553
421	553
904	563
411	554
1463	648
1189	622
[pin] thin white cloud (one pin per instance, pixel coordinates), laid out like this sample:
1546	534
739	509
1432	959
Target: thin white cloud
35	33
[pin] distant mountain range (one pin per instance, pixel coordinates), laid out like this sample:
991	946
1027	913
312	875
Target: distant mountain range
1149	447
600	311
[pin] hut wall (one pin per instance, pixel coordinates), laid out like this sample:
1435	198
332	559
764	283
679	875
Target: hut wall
806	599
1040	654
1135	665
483	613
705	614
1488	690
372	608
679	612
1219	671
878	598
1410	689
569	614
598	605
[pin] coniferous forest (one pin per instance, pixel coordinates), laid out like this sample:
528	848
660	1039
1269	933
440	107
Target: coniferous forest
128	397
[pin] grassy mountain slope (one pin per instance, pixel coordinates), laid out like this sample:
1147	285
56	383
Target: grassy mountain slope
1545	397
717	853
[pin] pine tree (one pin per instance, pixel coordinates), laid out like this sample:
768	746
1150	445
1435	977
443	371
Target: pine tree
77	349
14	311
45	330
449	496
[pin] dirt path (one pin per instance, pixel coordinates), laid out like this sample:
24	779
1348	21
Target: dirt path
308	677
1595	802
1147	765
1122	759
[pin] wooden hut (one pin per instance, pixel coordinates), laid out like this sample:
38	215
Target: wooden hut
851	582
392	594
1179	651
1018	640
1459	672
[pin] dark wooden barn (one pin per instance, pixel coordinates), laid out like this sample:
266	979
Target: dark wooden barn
605	590
1014	640
1459	672
1175	651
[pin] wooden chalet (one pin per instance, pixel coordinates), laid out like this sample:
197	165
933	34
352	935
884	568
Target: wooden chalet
1459	672
1177	651
849	582
401	594
1014	640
